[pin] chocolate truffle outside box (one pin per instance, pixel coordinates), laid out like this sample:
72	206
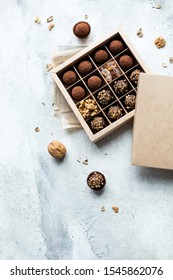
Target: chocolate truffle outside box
122	114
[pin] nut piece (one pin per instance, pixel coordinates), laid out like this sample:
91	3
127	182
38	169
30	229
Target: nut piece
37	19
160	42
37	129
88	108
57	149
164	65
49	67
157	6
51	25
115	208
49	19
171	59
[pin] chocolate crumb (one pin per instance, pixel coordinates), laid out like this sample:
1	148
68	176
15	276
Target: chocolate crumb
43	103
115	208
103	209
86	16
53	104
140	33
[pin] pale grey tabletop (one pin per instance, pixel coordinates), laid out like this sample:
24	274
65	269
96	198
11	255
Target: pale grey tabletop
46	209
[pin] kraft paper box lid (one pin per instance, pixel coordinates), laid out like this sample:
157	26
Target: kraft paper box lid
153	124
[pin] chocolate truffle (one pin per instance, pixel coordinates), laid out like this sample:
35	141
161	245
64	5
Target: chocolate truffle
101	56
69	77
130	101
115	112
81	29
98	123
135	76
116	46
96	180
121	86
110	71
126	61
94	82
85	67
88	108
104	97
78	93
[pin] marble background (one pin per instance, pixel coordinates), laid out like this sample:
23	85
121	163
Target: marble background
46	209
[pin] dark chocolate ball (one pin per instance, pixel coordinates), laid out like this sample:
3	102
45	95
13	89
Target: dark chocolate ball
85	67
116	46
98	123
126	61
130	101
69	77
135	76
96	180
115	112
81	29
94	82
101	56
78	93
121	86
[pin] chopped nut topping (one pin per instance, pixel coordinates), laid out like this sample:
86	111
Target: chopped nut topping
140	33
88	108
51	25
37	129
115	208
49	67
160	42
37	19
49	19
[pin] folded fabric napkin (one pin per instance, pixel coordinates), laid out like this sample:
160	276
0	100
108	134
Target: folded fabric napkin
61	107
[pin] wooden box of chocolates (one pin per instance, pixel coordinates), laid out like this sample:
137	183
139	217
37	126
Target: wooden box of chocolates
100	84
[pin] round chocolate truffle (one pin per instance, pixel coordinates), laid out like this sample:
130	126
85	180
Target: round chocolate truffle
126	61
69	77
98	123
114	113
85	67
78	93
135	76
81	29
101	56
94	82
121	86
104	97
96	180
116	46
130	101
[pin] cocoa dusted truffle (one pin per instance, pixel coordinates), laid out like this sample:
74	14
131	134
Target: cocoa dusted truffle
135	76
101	56
85	67
104	97
78	93
94	82
98	123
126	61
69	77
130	101
121	86
116	46
115	112
81	29
96	180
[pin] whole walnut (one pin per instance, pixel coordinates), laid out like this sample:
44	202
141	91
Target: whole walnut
57	149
